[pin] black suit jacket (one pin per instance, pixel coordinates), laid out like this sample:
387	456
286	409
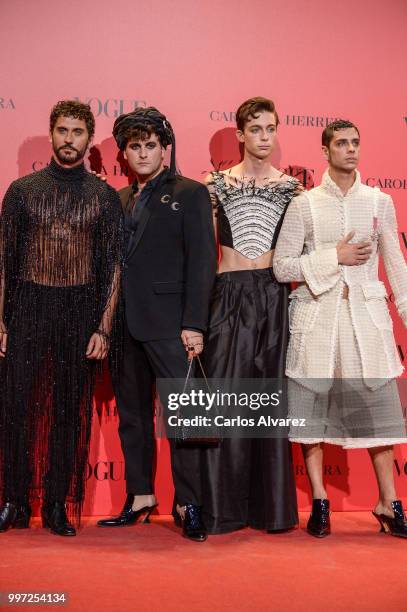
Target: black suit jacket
171	261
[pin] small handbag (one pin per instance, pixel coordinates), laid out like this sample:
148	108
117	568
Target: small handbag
183	436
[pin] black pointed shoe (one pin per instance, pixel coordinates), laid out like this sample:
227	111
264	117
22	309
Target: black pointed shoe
14	516
192	524
128	516
396	526
54	518
319	524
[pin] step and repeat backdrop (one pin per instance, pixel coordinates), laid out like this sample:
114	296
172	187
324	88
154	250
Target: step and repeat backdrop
197	62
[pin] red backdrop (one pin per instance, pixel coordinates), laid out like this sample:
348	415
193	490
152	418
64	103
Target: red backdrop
196	62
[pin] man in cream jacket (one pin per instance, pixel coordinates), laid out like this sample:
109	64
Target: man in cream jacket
342	358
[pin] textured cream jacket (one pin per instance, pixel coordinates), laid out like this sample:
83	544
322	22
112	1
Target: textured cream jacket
306	251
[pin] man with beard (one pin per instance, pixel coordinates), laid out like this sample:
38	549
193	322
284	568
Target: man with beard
168	276
60	252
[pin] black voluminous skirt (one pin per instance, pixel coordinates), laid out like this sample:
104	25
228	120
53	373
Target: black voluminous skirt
248	482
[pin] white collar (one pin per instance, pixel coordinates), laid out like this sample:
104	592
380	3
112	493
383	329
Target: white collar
329	185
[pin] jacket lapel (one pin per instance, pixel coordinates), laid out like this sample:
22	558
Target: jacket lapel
145	216
153	202
126	195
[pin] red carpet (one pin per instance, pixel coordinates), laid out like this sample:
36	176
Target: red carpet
151	568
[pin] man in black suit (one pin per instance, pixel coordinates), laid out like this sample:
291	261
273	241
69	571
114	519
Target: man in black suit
169	271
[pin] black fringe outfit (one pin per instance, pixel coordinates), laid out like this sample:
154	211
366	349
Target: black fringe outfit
60	258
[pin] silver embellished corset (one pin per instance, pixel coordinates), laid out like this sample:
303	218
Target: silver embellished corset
250	216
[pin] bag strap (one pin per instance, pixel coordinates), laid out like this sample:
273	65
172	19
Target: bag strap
189	374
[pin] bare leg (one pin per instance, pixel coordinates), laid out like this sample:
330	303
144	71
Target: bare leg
142	501
181	511
382	459
313	457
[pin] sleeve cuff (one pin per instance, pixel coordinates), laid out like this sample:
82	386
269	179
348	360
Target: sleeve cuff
321	270
190	328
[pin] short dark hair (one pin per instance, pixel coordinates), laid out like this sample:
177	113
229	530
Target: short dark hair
250	109
75	109
334	126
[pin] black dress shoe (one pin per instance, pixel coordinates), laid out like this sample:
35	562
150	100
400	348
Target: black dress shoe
127	515
15	516
319	524
396	526
192	525
54	518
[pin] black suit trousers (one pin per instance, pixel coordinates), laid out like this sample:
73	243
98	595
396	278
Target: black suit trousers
143	362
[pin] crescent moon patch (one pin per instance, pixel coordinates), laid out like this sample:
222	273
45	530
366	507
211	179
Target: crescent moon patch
166	198
175	206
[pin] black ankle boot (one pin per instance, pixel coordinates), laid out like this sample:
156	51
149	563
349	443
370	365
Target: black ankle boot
192	525
54	517
319	524
15	516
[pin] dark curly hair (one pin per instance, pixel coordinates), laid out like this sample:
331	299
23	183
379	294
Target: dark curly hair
140	124
334	126
75	109
141	133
